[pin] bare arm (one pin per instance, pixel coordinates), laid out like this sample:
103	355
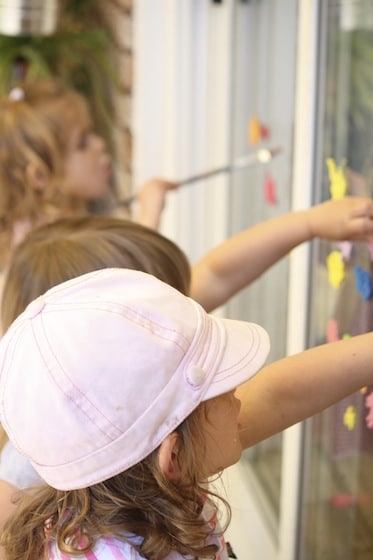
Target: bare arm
151	199
295	388
241	259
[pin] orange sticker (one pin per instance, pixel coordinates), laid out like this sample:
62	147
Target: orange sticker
257	131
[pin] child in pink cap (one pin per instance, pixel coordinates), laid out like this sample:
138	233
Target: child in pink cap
136	410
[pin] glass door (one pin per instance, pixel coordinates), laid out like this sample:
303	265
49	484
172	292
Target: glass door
337	506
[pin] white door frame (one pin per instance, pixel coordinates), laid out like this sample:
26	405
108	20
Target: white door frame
304	140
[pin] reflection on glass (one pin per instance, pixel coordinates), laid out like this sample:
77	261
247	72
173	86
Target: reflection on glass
337	516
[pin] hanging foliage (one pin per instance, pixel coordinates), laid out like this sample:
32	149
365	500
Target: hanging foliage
82	52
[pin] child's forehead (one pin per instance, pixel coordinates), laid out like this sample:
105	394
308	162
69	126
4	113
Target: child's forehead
80	119
78	127
81	126
76	111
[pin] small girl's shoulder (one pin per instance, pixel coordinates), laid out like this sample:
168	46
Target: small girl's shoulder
111	548
106	548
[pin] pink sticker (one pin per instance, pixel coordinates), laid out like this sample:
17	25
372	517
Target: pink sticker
270	189
369	405
332	331
346	249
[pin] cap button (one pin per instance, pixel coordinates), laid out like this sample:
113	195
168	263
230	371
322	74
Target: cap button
195	376
35	307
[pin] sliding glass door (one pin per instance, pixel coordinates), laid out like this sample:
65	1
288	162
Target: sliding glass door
337	513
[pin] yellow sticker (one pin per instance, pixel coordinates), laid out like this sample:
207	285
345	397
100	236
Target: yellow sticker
337	178
349	417
336	268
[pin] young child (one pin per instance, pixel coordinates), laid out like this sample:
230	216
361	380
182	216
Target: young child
135	387
52	164
62	250
136	410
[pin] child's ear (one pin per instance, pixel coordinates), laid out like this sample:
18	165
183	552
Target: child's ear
36	176
168	457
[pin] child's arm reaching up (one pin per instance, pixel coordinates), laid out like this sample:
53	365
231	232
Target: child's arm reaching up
241	259
295	388
151	199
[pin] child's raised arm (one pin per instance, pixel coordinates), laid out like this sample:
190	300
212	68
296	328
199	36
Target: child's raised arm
151	199
295	388
241	259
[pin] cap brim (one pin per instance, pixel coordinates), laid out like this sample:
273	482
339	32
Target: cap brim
246	349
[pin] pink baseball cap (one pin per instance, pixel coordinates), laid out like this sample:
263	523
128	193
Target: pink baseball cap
95	373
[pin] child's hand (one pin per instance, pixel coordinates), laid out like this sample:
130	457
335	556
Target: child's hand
350	217
151	199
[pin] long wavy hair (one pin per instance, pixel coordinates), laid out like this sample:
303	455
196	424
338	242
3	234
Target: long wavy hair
35	128
141	501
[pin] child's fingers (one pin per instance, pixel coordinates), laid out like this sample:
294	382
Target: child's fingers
363	207
362	228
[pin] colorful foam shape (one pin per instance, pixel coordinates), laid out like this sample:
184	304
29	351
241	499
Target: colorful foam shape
338	183
270	189
332	331
336	268
349	417
369	406
346	249
363	282
257	131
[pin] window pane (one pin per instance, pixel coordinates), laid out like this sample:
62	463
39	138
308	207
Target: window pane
338	487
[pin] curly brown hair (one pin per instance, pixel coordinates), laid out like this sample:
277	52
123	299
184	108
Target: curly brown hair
139	501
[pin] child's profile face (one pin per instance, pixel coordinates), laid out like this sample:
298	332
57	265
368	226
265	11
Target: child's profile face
223	445
87	164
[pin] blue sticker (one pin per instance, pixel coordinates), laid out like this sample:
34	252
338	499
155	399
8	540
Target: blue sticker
363	282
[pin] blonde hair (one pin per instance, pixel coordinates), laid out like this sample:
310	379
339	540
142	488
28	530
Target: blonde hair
140	501
35	129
